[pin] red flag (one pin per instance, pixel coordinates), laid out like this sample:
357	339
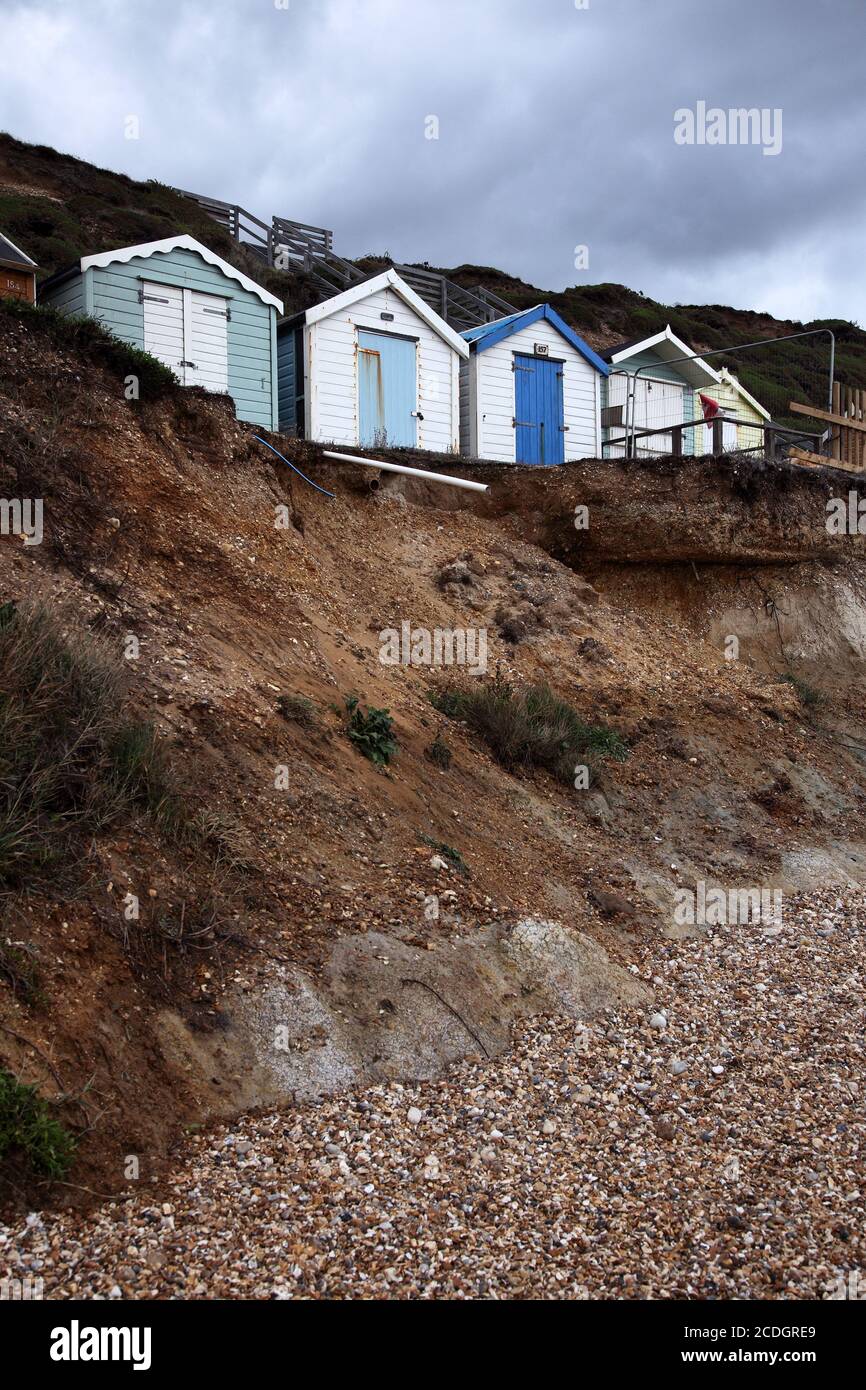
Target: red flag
709	406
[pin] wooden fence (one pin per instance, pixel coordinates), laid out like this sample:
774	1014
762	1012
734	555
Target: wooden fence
844	443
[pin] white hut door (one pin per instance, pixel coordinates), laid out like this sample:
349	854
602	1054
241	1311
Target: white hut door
617	395
206	334
188	332
163	326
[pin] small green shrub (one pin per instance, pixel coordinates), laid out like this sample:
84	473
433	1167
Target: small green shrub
530	727
297	709
372	733
155	380
28	1125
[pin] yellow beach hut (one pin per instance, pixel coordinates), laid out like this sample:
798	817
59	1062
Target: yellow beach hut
734	400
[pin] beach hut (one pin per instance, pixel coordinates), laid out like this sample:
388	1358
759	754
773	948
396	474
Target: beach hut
212	325
740	413
373	367
665	393
17	272
530	391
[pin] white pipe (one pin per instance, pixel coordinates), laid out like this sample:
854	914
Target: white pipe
410	472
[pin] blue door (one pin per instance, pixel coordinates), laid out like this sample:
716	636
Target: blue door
539	415
387	390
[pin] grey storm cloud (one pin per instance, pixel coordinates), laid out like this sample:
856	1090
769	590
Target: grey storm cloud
556	125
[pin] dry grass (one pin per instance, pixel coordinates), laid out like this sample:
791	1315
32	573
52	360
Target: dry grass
72	762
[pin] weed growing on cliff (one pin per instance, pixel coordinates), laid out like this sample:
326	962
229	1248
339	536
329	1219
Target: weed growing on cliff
371	733
808	694
71	761
28	1127
530	727
139	772
18	968
439	753
448	852
297	709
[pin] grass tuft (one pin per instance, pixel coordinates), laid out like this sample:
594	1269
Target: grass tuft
439	753
808	694
18	968
531	727
71	761
297	709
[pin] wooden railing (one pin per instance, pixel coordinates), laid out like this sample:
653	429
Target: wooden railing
284	244
302	239
460	307
299	246
242	226
500	308
780	441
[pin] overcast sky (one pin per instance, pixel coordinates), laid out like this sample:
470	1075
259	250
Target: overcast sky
556	129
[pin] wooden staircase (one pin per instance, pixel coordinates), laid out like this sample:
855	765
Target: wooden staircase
459	307
296	247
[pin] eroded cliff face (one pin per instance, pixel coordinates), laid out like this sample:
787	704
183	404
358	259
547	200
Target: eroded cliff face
731	510
160	521
771	553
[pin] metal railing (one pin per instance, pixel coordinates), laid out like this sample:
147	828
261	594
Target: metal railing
642	374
